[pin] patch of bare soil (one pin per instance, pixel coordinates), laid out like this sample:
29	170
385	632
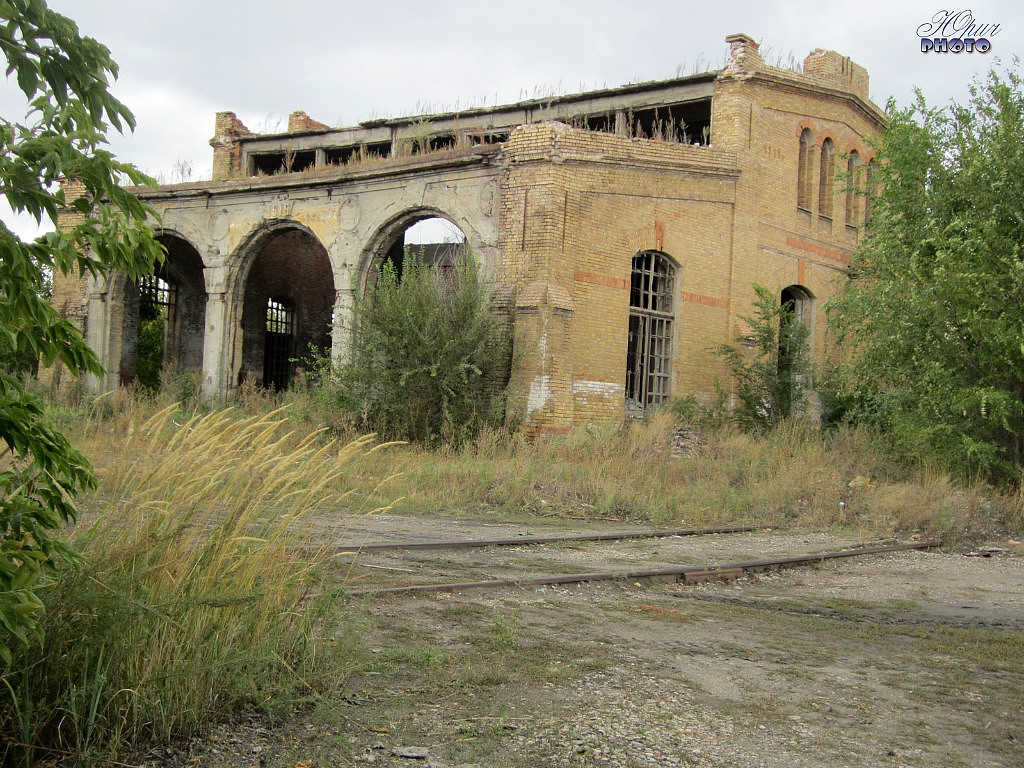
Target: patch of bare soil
904	659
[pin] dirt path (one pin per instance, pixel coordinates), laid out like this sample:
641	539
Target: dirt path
905	659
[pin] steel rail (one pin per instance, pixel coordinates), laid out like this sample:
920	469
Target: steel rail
521	540
690	574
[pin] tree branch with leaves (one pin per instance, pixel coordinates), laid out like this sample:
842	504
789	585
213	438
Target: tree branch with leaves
65	79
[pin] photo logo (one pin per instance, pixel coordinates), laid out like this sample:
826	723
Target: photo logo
956	32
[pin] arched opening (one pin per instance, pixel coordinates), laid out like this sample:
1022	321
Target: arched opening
165	317
805	171
794	339
649	345
287	308
430	239
827	178
870	187
853	189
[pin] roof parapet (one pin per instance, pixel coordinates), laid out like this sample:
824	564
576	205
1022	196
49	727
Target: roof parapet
838	71
744	55
824	68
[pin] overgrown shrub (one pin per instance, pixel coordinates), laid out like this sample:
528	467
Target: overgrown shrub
429	357
770	365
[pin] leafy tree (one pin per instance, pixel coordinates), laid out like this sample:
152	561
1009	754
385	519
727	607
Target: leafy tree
770	365
934	310
429	358
58	146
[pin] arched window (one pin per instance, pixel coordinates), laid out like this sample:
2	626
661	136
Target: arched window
277	347
870	187
853	184
805	172
827	178
649	350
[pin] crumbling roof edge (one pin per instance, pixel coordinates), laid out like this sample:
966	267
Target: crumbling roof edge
481	155
648	85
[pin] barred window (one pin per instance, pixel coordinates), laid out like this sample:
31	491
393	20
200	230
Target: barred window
156	297
649	348
278	343
280	318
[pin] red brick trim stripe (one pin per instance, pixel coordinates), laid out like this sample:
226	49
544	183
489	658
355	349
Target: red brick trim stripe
707	301
605	280
821	250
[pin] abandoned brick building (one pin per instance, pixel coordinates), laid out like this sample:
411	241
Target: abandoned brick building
622	228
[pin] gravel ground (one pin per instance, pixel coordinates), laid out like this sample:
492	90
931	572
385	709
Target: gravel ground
905	659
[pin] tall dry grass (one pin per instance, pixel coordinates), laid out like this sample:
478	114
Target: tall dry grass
206	550
796	477
202	589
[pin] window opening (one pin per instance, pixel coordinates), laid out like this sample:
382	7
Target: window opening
356	153
827	178
686	122
277	349
852	189
272	163
804	189
649	346
870	187
490	138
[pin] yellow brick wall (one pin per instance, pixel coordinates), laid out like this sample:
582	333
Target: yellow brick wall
577	206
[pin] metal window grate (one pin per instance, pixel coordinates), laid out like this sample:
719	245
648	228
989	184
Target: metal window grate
649	347
157	294
280	318
278	341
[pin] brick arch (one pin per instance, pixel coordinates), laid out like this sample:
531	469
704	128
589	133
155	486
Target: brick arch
282	263
822	136
805	125
240	262
855	146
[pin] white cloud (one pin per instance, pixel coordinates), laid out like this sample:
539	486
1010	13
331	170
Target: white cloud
342	62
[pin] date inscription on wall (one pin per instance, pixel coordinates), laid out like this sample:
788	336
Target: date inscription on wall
773	152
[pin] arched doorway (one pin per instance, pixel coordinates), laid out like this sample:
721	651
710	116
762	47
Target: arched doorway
287	307
165	316
795	303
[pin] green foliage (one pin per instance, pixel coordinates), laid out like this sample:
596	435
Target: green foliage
935	307
429	357
770	365
150	356
64	78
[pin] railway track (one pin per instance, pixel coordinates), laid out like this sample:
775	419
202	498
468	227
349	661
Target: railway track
689	556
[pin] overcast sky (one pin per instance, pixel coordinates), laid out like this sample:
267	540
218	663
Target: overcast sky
342	62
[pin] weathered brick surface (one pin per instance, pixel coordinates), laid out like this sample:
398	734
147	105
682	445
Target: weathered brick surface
555	213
